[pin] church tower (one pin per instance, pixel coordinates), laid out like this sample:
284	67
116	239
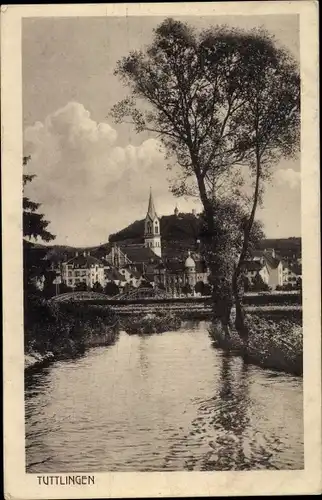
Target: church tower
152	237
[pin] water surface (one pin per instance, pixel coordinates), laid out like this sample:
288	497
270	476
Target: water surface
162	402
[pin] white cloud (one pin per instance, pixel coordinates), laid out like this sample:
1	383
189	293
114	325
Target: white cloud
88	185
288	176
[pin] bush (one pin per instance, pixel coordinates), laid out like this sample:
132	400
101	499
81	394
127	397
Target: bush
97	287
61	328
152	323
272	344
111	289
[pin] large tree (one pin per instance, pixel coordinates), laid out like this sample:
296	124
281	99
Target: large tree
269	129
34	228
34	224
229	224
218	100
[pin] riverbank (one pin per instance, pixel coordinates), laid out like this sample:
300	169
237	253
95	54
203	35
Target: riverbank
202	311
64	331
55	331
275	343
166	403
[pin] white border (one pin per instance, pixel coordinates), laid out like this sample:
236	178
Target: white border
18	484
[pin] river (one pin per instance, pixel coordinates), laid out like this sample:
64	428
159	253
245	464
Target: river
162	402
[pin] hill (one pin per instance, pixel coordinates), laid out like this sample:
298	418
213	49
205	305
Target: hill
179	234
288	248
182	227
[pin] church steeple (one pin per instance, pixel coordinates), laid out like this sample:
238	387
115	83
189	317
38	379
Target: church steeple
151	209
152	238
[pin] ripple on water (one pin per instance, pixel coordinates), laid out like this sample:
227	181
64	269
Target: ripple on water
163	402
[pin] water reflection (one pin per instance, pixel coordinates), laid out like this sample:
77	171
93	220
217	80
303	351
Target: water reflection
143	356
230	418
162	402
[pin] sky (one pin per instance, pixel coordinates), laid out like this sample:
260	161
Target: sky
93	176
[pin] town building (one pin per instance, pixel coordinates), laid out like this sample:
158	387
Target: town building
164	253
83	269
266	266
113	275
178	277
255	271
292	273
131	275
142	261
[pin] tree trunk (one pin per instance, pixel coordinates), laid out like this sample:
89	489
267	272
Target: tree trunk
222	305
240	315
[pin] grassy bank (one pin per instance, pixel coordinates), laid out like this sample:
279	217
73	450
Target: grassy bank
273	343
151	323
58	331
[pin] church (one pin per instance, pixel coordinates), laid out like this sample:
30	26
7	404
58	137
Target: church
176	272
152	237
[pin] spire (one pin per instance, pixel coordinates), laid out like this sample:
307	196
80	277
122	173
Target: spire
151	209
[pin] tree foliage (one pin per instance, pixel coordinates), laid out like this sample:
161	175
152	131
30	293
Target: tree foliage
224	103
97	287
34	227
111	289
187	289
81	286
34	224
202	91
223	254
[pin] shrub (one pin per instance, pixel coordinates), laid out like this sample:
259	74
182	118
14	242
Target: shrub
152	323
61	328
272	344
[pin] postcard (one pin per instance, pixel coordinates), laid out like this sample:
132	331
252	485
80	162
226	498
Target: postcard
161	250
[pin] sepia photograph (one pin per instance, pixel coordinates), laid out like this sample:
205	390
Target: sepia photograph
162	235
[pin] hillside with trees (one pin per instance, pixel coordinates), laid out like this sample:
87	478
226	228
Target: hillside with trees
179	234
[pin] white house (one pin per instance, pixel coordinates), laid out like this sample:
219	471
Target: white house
83	268
268	266
275	270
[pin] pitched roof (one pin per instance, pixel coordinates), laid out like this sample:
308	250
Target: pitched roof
139	254
257	253
113	274
149	278
84	261
271	261
175	266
